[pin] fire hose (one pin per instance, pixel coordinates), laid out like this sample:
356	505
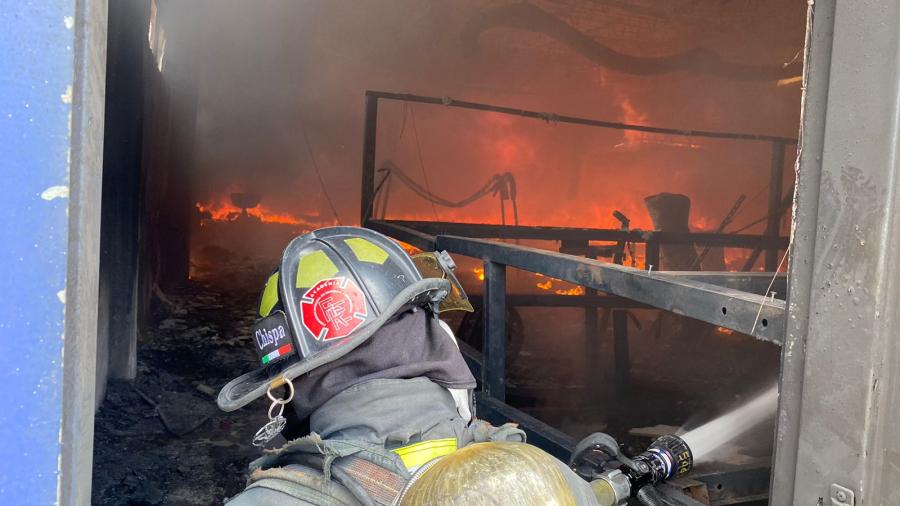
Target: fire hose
615	478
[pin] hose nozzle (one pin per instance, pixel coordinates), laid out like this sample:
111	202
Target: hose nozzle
668	457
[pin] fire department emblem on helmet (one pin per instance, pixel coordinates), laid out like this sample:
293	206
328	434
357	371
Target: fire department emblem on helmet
333	308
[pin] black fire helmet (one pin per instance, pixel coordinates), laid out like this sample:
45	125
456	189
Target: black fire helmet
336	287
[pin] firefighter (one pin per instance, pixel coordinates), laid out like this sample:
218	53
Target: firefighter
350	347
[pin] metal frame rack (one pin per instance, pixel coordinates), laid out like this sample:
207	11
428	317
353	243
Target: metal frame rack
736	300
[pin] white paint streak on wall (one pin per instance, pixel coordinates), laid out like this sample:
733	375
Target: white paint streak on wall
67	96
55	192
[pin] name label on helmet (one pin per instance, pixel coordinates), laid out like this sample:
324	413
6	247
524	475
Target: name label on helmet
273	339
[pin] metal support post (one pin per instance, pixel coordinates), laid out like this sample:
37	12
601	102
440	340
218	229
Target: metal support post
621	352
776	179
370	128
651	254
494	370
591	326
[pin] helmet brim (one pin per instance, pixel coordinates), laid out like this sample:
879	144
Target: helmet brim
248	387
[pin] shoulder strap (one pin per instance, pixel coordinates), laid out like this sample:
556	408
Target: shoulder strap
381	485
305	485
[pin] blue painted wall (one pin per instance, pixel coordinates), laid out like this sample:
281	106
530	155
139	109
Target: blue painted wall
36	72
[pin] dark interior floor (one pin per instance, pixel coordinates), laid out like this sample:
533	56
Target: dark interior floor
162	440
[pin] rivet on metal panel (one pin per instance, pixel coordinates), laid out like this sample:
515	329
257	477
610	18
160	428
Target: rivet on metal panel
841	496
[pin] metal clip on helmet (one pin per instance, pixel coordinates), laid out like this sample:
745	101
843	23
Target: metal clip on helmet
335	287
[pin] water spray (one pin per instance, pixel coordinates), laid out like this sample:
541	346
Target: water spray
615	478
707	438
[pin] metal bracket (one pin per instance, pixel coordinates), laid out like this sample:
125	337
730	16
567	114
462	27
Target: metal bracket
842	496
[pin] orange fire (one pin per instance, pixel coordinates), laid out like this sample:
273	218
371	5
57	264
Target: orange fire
479	273
223	210
548	286
409	248
575	290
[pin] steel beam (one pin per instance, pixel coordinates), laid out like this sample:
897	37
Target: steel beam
489	231
474	358
554	300
494	371
744	312
403	233
551	440
557	118
760	283
730	484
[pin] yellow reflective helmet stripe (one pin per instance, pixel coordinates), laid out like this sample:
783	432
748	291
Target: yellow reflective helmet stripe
417	454
367	251
313	268
269	296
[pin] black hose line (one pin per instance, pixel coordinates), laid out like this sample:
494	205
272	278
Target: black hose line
649	496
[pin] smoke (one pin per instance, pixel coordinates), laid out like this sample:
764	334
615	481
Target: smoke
264	73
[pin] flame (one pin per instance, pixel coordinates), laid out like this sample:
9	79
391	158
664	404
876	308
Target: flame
409	248
575	290
221	209
548	286
630	115
724	330
479	273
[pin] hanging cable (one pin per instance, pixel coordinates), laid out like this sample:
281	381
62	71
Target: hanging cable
381	197
312	158
750	225
785	203
502	185
402	130
412	116
750	201
698	260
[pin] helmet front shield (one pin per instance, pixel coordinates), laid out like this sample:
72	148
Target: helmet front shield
439	264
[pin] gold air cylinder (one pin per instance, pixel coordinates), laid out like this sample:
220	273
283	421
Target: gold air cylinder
490	474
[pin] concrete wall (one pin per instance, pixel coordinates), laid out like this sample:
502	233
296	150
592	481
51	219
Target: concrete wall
838	441
127	50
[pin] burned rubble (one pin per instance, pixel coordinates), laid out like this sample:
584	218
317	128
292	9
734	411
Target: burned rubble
161	439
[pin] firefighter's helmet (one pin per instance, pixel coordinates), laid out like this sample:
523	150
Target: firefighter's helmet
334	288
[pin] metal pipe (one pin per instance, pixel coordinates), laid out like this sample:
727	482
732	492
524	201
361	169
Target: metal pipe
555	118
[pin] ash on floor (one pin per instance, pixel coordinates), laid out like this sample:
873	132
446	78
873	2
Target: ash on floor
161	439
